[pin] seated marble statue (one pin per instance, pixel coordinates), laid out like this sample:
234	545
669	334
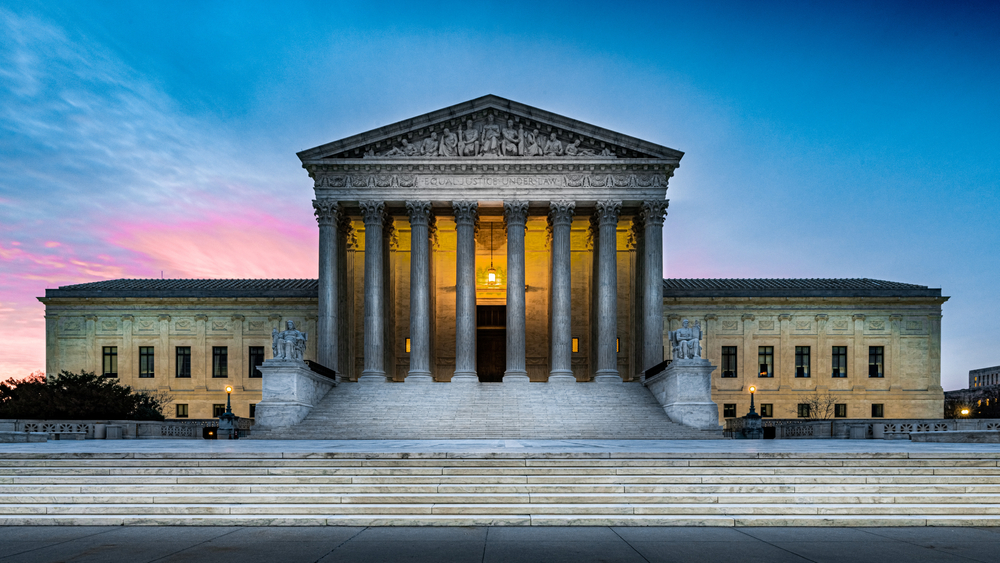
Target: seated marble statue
289	344
686	341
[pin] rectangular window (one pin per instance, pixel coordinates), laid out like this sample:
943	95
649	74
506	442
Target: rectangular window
729	361
729	410
407	345
876	361
110	354
146	361
765	358
839	361
878	411
218	410
253	410
220	361
803	410
840	411
256	359
182	411
576	345
802	361
766	410
183	355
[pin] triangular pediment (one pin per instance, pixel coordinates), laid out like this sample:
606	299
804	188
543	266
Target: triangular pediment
489	127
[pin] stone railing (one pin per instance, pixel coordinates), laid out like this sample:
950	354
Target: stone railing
130	429
880	428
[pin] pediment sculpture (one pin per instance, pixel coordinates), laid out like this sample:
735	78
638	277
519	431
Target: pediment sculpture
489	138
289	344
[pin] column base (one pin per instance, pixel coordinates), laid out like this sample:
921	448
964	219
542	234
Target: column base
419	377
516	376
465	377
607	376
562	376
373	377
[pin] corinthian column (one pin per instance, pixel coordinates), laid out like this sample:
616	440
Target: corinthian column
607	292
420	292
466	213
515	215
561	217
652	213
327	215
373	213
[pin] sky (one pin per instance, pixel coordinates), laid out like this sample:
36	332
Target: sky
822	139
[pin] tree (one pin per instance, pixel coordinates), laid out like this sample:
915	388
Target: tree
78	396
821	405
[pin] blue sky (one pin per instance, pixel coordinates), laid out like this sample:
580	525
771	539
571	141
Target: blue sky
831	139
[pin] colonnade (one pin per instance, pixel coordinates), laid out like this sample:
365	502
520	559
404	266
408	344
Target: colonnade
605	223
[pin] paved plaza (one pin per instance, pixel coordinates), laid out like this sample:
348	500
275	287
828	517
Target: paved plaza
481	544
499	448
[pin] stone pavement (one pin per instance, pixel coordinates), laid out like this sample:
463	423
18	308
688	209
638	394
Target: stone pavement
612	448
482	544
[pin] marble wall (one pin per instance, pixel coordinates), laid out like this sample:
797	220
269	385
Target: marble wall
908	329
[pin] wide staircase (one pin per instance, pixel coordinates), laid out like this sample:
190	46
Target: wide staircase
353	411
502	488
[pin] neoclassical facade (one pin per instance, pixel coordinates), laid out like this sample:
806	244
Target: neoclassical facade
486	242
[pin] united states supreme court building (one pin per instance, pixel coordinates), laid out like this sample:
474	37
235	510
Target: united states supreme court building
491	242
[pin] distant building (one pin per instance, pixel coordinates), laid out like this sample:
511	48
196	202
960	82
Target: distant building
984	377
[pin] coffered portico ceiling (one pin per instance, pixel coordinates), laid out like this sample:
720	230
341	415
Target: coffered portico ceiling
491	149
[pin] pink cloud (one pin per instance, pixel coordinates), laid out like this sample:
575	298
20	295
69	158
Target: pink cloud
247	244
52	244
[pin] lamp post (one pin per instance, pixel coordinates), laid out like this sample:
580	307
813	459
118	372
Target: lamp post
752	429
227	421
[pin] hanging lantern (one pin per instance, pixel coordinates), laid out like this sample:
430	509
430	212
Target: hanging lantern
491	274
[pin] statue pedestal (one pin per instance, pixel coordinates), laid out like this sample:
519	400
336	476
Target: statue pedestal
685	391
290	391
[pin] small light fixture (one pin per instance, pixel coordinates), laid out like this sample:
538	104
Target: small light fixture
965	412
407	345
576	345
491	274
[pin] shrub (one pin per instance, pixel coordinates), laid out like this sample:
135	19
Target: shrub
78	396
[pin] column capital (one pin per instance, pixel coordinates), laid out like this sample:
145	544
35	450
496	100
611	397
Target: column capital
561	212
652	212
419	212
127	318
373	212
607	211
327	212
466	212
515	212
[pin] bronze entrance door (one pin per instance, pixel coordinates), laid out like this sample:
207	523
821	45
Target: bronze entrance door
491	342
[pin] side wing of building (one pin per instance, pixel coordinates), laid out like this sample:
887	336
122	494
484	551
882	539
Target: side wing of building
873	346
188	338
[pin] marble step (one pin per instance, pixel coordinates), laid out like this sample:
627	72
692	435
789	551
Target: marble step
451	411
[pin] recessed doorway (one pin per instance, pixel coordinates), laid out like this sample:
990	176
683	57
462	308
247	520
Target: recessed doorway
491	342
